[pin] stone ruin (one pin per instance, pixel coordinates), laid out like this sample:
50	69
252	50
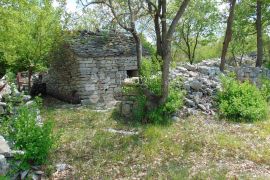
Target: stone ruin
91	67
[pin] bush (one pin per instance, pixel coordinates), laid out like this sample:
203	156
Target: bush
151	78
241	101
151	75
139	110
35	139
265	88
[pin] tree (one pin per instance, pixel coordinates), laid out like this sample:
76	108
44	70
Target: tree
228	34
30	30
259	34
243	31
194	29
164	36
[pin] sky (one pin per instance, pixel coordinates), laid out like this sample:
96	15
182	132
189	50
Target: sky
72	6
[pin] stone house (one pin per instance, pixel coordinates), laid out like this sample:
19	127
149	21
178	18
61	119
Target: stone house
91	67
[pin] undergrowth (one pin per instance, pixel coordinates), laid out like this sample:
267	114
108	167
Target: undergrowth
151	79
243	102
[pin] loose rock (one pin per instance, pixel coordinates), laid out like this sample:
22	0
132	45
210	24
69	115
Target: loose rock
3	165
4	147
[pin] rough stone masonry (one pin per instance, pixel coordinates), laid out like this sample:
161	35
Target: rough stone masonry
90	68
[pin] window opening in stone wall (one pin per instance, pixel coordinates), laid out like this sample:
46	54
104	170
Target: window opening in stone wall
132	73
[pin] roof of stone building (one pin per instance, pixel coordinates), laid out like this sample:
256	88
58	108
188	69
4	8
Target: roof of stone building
103	44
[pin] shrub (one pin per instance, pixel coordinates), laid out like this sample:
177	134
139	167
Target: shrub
151	78
265	88
36	140
139	110
151	75
241	101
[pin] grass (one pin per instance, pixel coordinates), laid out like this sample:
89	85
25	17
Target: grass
194	148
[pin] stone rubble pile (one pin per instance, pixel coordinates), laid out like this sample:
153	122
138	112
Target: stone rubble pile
202	82
9	91
6	92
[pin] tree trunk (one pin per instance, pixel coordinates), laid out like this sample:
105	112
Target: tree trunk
30	72
228	35
259	34
138	50
166	37
165	71
158	40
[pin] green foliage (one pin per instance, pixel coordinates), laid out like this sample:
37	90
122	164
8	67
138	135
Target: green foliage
174	102
151	78
193	30
243	28
36	140
147	46
209	51
241	101
265	88
10	76
20	126
151	75
162	114
139	110
29	30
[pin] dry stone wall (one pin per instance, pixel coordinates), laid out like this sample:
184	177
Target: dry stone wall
87	80
62	78
201	82
100	79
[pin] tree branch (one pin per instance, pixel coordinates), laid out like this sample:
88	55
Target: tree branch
179	14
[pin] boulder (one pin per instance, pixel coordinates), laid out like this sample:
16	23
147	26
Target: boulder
175	118
190	103
3	165
204	70
131	81
202	107
126	109
2	110
26	98
190	67
181	69
3	104
5	89
4	147
195	84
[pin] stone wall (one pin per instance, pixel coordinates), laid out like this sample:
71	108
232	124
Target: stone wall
62	78
100	78
250	73
88	80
